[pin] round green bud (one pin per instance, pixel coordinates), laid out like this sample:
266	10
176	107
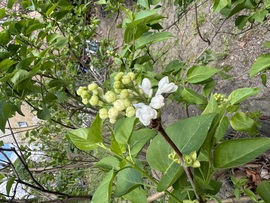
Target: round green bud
119	105
126	79
80	90
113	113
92	86
130	111
124	94
98	91
131	75
118	91
103	113
117	85
94	100
85	94
112	120
118	76
85	101
127	102
110	96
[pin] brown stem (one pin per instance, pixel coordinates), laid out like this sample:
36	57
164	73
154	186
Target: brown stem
156	125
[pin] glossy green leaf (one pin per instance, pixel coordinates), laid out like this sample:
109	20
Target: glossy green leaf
150	38
33	27
123	129
241	21
222	128
187	134
262	63
20	76
139	138
263	189
51	9
127	180
9	184
220	4
264	79
4	37
138	195
44	113
7	110
86	139
108	163
51	37
241	94
10	3
260	15
144	3
2	13
6	64
233	153
169	177
25	63
192	97
242	123
197	74
103	192
208	88
61	42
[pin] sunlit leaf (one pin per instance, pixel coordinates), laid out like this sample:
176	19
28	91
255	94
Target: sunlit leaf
233	153
261	63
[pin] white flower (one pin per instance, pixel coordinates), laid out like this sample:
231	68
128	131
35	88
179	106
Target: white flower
145	113
165	87
157	102
147	87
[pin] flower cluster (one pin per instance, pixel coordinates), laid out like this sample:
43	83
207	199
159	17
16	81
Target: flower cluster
126	98
189	160
220	98
145	112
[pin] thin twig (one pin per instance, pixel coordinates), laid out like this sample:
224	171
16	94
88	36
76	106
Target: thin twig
156	125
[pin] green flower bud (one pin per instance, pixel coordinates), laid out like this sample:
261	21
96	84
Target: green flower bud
113	113
117	85
130	111
131	75
127	102
103	113
110	96
126	79
118	91
92	86
80	90
118	76
119	105
124	94
85	101
84	94
98	91
191	160
112	120
94	100
188	201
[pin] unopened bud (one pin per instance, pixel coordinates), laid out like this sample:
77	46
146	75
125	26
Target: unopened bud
103	113
94	100
92	86
119	105
117	85
126	79
85	101
110	96
130	111
113	112
131	75
124	94
118	76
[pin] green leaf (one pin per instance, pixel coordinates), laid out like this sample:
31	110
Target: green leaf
2	13
139	138
197	74
87	139
10	3
7	110
261	63
222	128
108	163
192	97
264	79
169	177
233	153
220	4
144	3
33	27
6	64
123	129
208	88
260	15
242	123
241	21
51	9
4	37
25	63
20	76
138	195
61	42
150	38
241	94
263	189
51	37
103	192
184	135
9	184
127	180
44	113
